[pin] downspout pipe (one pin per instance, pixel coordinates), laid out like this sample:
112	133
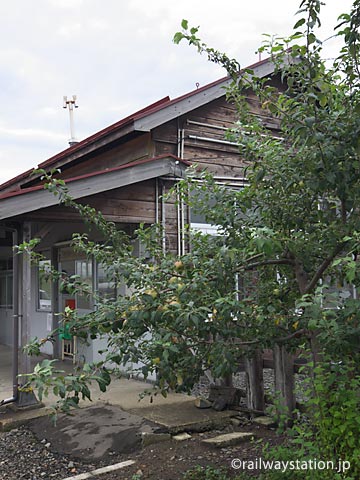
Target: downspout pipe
15	352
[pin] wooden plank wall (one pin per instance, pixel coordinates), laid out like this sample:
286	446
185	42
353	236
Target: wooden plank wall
136	149
209	124
135	204
130	205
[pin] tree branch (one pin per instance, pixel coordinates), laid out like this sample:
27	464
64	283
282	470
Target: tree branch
325	264
298	333
280	261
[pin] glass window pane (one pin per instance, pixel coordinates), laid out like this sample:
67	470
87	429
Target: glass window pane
6	285
44	285
83	268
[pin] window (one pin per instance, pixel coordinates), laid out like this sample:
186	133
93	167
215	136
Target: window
44	285
83	268
6	289
106	286
199	221
76	267
336	294
6	283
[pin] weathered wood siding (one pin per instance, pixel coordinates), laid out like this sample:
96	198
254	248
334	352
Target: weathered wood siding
200	136
129	205
136	149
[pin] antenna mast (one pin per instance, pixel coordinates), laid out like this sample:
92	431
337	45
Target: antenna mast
71	104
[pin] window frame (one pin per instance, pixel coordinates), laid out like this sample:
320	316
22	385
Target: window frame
47	309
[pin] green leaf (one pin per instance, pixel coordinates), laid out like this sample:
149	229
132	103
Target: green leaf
299	23
323	100
184	24
311	38
178	37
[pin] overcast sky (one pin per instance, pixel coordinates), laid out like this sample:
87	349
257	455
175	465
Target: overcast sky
117	56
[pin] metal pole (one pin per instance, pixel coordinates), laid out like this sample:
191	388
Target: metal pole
71	104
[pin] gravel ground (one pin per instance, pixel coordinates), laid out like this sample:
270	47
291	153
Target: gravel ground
23	457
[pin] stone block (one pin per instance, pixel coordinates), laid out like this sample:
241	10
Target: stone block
220	404
181	437
229	439
231	394
264	421
202	403
235	421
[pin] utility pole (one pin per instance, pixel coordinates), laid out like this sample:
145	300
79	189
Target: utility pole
71	104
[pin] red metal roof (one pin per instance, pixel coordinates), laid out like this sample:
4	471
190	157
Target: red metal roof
154	107
106	131
93	174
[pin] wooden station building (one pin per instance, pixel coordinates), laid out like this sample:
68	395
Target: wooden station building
123	171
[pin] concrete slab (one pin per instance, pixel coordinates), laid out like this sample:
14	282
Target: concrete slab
10	419
126	393
184	416
175	413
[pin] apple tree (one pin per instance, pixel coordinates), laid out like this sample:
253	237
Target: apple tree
282	272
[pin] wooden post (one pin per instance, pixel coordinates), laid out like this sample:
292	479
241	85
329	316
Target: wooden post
284	380
255	382
26	398
25	365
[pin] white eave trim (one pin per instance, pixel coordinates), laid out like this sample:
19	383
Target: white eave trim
91	185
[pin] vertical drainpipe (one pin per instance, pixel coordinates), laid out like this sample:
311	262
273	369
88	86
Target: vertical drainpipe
178	215
182	225
178	212
182	206
163	217
156	200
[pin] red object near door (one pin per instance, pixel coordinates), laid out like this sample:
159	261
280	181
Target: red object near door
70	302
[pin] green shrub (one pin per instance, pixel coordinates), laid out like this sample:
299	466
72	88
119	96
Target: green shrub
206	473
328	432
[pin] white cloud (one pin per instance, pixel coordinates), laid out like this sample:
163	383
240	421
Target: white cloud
66	4
71	29
34	134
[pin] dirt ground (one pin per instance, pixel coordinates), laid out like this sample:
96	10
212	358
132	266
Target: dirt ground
169	460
